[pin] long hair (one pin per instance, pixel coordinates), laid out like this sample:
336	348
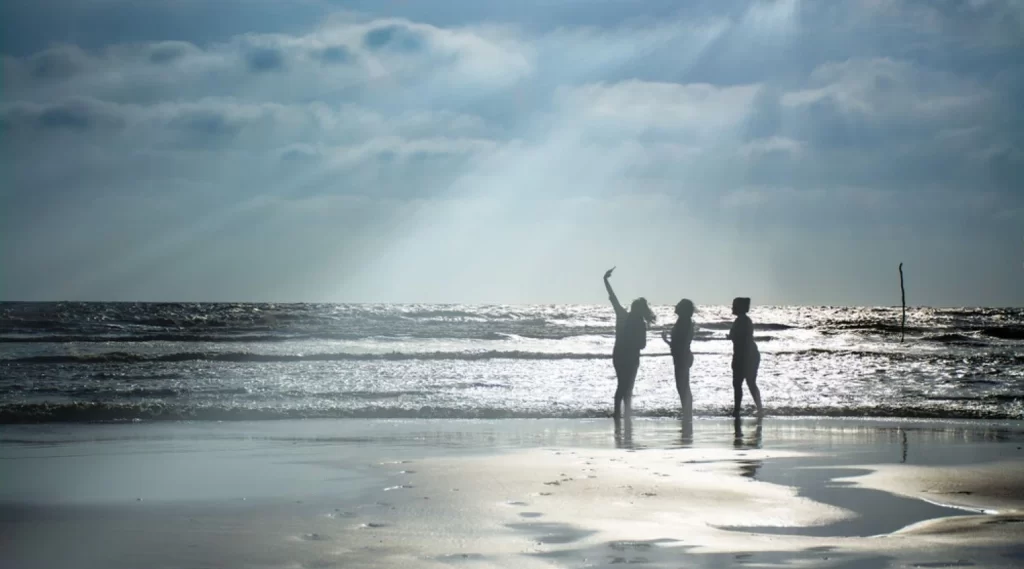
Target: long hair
642	309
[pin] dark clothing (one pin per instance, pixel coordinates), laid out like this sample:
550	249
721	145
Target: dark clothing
630	332
626	366
746	359
745	355
682	360
630	338
682	337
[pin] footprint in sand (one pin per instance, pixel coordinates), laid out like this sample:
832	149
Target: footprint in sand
517	503
530	514
369	525
553	483
399	487
544	494
314	537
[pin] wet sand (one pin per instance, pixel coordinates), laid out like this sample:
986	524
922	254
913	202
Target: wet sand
514	493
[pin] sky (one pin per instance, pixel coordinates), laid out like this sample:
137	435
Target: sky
460	151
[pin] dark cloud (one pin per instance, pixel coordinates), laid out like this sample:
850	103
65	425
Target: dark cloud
207	123
299	154
335	54
263	59
79	115
74	118
167	52
399	38
57	63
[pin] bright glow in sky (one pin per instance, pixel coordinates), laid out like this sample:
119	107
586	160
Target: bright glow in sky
462	151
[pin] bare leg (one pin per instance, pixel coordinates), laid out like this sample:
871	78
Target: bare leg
685	396
752	384
737	391
629	381
620	392
755	392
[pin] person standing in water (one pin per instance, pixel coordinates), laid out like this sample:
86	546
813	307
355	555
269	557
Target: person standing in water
746	359
630	338
682	357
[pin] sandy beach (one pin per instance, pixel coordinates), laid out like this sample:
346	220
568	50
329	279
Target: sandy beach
514	493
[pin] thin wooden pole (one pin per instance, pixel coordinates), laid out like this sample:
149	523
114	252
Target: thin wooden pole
903	297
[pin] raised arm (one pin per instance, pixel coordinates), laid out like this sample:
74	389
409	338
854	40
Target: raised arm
611	293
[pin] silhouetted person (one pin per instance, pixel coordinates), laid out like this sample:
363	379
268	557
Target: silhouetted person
682	356
746	359
630	338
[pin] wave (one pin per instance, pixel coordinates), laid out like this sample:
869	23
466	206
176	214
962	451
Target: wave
876	327
242	357
955	339
1004	332
249	357
226	336
267	338
761	326
97	412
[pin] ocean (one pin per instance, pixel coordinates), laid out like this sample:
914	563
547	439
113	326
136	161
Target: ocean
123	362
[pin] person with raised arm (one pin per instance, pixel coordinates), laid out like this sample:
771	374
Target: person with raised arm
682	356
746	358
630	339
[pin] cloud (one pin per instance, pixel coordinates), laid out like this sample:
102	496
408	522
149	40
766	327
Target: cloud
79	115
261	59
335	54
771	145
163	53
641	105
395	36
366	57
58	63
988	23
726	135
886	87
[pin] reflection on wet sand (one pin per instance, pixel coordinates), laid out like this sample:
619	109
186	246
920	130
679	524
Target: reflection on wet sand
686	432
748	468
624	432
